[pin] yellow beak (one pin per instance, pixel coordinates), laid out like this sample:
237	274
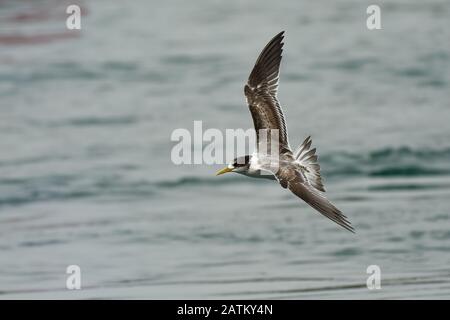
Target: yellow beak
224	170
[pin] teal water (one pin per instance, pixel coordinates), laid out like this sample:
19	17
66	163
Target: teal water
86	176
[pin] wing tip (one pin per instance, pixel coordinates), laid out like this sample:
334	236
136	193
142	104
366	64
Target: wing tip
280	36
350	228
267	64
342	221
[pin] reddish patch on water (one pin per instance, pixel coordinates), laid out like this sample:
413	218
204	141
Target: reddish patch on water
20	39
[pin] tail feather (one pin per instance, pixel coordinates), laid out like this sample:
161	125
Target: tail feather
308	159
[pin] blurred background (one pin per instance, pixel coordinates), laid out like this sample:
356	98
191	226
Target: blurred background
86	176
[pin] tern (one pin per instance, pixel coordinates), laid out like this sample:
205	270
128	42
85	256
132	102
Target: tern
298	171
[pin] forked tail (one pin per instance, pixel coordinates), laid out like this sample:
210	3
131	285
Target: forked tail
308	159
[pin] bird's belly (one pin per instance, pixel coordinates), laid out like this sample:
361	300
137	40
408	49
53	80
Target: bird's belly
259	169
259	174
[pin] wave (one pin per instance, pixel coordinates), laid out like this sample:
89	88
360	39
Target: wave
388	162
116	184
74	71
71	187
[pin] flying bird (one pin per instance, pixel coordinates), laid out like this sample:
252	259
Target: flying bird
299	170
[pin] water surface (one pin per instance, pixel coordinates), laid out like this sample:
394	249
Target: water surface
86	176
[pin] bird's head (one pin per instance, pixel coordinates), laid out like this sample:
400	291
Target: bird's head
238	165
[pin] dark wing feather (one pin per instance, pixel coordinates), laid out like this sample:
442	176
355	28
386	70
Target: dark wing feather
261	92
293	180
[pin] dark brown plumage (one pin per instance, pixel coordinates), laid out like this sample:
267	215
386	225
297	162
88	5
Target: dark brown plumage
261	92
300	171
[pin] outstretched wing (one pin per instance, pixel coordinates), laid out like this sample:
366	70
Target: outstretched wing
307	158
261	92
290	178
